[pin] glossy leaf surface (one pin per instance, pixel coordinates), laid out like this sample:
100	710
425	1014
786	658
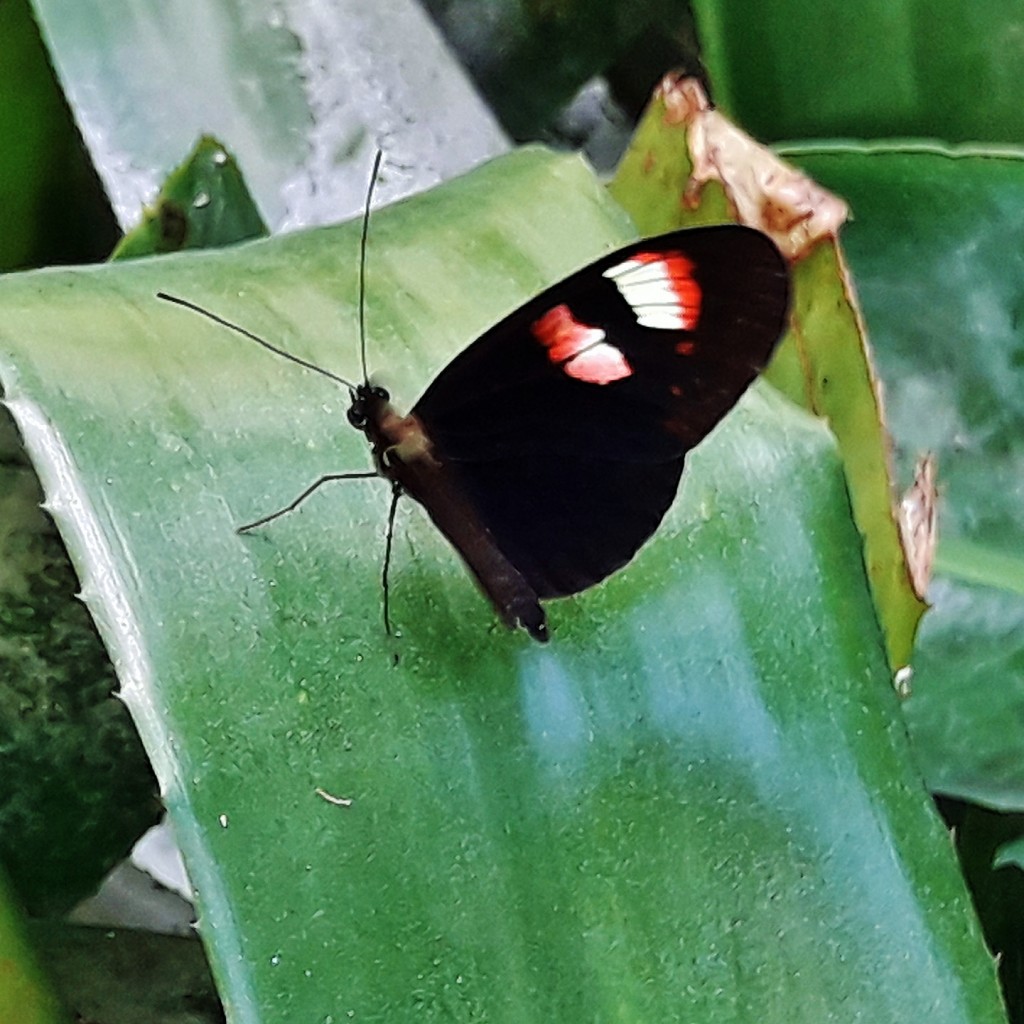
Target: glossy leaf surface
301	92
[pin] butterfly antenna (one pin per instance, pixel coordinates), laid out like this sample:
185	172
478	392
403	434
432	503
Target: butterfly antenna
238	329
374	174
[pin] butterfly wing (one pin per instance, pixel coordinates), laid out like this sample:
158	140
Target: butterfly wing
567	423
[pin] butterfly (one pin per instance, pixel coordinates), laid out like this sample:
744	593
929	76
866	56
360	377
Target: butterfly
549	450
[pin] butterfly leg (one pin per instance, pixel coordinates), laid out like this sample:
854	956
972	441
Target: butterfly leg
291	506
396	493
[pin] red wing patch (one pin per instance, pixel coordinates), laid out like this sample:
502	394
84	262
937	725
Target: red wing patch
660	288
579	349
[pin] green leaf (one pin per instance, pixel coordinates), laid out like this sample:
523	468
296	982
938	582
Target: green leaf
70	753
300	93
695	803
792	70
26	995
203	204
824	364
53	211
1011	853
941	289
76	789
990	848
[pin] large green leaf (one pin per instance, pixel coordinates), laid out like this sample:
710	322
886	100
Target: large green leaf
301	93
694	804
940	275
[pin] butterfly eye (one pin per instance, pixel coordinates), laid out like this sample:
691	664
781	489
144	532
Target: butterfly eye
357	414
381	394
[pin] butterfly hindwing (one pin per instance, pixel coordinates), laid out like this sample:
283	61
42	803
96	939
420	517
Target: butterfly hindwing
568	422
564	523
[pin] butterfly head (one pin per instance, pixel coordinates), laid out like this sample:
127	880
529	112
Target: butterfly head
367	402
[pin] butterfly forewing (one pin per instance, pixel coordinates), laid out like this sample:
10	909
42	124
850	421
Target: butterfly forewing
567	423
506	392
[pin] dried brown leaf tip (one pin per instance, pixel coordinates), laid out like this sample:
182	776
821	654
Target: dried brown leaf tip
764	191
918	519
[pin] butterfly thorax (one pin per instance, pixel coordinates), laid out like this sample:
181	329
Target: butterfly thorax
397	441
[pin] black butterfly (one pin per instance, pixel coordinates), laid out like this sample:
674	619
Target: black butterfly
550	449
